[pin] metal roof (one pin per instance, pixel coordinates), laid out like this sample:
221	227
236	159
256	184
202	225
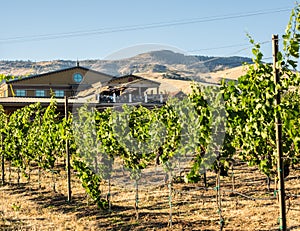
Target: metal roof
134	76
54	72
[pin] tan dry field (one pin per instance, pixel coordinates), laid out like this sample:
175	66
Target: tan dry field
250	207
173	85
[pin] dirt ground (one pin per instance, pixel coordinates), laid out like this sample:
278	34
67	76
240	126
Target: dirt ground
250	206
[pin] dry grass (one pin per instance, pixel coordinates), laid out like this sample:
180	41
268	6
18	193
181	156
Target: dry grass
173	85
25	207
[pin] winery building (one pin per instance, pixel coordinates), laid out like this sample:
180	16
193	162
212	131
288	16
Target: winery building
81	85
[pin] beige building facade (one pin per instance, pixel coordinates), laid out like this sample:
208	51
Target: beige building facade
80	84
66	82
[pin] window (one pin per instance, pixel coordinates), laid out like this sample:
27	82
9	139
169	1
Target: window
77	77
59	93
40	93
20	92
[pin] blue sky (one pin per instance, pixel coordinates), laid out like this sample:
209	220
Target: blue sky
64	29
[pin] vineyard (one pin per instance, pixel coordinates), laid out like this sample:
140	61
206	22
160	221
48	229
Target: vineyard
26	207
205	162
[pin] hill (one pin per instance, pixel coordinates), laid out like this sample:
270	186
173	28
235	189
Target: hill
163	66
154	61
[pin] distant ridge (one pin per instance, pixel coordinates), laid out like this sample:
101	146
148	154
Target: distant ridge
163	63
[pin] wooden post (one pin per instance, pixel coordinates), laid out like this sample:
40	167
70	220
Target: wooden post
68	156
278	125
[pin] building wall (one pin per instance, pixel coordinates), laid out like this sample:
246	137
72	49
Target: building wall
61	80
4	91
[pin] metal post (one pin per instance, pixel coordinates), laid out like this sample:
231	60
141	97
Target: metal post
170	199
114	98
278	125
2	162
129	98
160	98
68	167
